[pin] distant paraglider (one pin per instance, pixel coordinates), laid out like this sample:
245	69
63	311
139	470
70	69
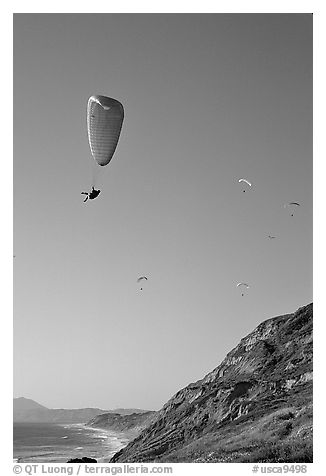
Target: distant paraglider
140	280
104	122
242	286
292	206
245	181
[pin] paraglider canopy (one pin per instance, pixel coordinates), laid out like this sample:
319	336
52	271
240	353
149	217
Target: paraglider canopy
245	181
140	279
292	206
242	286
104	122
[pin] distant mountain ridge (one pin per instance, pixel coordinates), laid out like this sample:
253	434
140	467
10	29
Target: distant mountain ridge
27	410
25	404
256	406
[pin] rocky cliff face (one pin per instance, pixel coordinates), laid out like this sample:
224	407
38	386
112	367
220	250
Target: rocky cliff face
255	406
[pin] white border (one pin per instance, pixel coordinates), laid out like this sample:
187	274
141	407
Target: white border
6	202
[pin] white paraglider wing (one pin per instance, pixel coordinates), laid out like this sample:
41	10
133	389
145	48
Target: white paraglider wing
243	284
245	181
104	122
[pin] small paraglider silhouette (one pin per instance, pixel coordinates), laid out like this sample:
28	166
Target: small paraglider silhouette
292	206
92	194
140	279
245	181
245	285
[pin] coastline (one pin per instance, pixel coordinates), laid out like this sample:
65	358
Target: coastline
74	440
116	440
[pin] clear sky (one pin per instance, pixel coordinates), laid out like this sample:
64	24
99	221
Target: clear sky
208	99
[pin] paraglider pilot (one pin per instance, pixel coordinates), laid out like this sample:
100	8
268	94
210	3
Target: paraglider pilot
92	194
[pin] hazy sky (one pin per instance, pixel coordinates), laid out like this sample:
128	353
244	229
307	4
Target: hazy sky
208	99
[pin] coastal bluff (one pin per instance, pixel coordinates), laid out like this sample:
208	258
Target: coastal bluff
255	406
130	425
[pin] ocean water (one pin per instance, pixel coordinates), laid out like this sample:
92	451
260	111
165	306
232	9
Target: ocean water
56	443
